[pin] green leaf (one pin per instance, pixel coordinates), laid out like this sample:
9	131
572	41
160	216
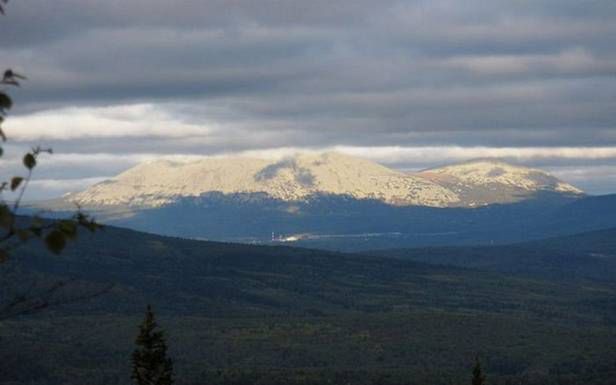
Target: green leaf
68	228
55	241
5	101
6	217
15	182
36	231
36	227
29	161
24	234
85	221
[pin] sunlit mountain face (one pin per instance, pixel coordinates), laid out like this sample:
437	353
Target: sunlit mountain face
297	178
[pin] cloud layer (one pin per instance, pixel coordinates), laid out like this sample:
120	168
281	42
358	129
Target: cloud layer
448	80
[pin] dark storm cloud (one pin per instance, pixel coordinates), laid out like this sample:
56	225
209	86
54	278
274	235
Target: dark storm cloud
209	77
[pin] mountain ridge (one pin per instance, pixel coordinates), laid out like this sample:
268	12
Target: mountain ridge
485	181
467	184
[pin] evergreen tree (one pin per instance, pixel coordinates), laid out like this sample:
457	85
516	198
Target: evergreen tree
151	366
478	377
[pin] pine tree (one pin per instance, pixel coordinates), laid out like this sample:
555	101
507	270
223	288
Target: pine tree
478	377
151	366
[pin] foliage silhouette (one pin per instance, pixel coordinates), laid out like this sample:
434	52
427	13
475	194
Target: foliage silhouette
16	230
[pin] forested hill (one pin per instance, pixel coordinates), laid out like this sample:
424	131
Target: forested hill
589	255
222	279
238	314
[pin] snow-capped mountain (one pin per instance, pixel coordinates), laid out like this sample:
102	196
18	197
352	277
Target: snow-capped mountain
157	183
485	181
317	200
160	182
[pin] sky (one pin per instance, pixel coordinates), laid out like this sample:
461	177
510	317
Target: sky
410	84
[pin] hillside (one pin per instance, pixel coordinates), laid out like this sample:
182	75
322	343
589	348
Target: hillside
341	223
197	277
344	223
589	255
254	314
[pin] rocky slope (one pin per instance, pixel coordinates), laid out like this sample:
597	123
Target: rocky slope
485	181
157	183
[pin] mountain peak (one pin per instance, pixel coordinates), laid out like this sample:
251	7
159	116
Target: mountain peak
292	178
489	180
302	175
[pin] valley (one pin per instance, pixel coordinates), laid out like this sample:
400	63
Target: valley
239	313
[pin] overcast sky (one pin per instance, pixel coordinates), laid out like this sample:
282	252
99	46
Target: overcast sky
411	84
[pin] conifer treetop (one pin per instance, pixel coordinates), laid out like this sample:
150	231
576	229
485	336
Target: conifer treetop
151	366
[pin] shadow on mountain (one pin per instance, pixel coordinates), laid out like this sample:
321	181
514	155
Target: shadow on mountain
343	223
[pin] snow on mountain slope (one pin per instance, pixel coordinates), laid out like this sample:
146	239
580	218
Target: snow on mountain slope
486	181
469	184
156	183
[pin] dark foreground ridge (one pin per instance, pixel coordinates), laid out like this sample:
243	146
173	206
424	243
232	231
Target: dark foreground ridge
238	314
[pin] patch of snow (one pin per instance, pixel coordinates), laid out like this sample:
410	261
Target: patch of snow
159	182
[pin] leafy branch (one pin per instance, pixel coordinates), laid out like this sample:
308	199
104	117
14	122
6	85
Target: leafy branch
16	230
54	233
